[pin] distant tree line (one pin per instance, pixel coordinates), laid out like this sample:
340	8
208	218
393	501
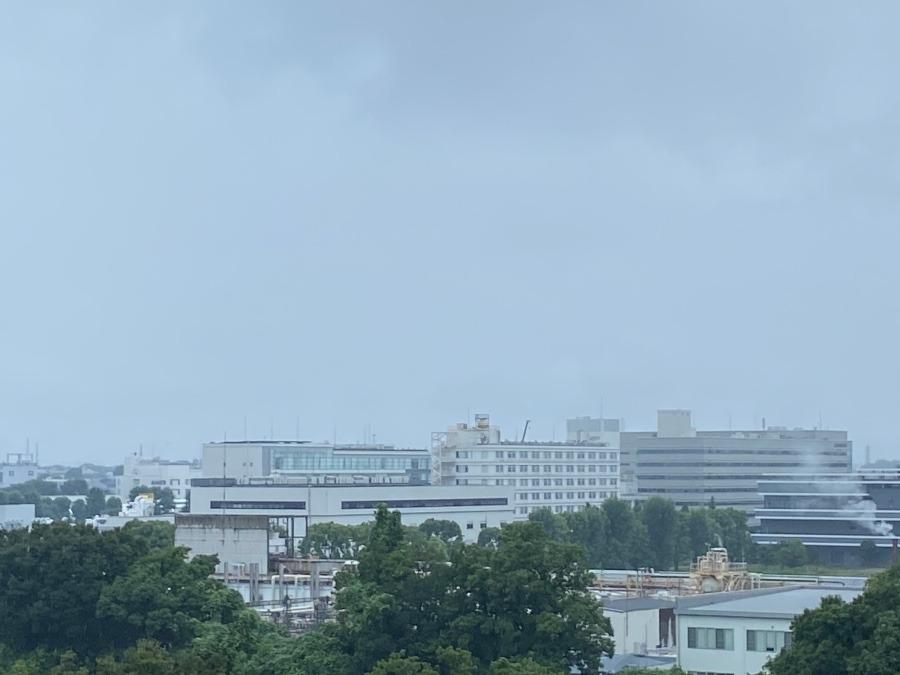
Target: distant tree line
652	534
50	501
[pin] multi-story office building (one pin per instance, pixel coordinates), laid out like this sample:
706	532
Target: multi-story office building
693	467
561	476
154	472
833	514
302	461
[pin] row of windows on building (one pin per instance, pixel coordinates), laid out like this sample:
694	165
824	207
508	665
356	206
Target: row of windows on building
537	482
12	472
536	468
560	508
723	639
365	504
535	496
300	462
739	451
674	463
522	454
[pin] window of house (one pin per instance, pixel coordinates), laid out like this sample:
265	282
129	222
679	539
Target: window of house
711	638
470	526
767	640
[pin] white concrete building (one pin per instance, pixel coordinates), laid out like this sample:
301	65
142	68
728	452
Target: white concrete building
560	476
238	541
157	473
18	468
641	625
323	463
736	633
692	467
294	508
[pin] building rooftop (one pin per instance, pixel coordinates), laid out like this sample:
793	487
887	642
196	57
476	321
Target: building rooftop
614	664
369	447
781	603
636	604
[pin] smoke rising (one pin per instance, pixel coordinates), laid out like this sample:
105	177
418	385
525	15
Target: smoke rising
862	510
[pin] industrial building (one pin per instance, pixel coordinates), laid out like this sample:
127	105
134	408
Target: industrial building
233	520
562	476
138	471
833	514
736	633
323	463
693	467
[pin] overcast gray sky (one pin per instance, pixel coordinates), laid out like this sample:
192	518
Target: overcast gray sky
394	213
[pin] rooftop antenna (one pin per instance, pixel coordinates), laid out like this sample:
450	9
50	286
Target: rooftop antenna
525	430
601	422
868	457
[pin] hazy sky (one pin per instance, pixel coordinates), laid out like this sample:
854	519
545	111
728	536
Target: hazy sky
394	213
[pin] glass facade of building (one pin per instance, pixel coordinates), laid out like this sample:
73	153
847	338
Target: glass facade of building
328	459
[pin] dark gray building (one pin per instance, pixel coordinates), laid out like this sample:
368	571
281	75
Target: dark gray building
692	467
833	514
